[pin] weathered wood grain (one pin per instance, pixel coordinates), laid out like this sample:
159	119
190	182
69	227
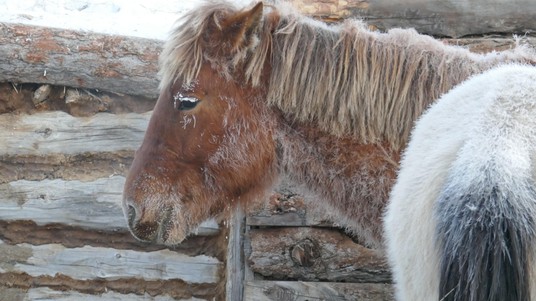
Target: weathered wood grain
56	144
93	204
83	167
452	18
330	10
33	54
12	294
25	231
88	263
493	42
235	261
175	288
59	132
308	291
20	99
314	254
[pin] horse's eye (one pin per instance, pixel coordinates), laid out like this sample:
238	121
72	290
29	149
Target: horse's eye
184	103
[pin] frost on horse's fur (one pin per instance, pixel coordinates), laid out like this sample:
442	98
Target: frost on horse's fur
461	221
187	120
346	79
327	107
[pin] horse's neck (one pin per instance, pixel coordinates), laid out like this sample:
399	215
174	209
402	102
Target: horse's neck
370	85
353	179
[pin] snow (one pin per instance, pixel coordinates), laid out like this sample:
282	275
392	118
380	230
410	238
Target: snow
141	18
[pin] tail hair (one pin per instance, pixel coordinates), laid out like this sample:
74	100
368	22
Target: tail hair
486	233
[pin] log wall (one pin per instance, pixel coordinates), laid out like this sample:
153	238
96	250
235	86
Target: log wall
292	253
62	231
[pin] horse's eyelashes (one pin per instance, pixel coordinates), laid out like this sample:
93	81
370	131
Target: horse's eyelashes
184	103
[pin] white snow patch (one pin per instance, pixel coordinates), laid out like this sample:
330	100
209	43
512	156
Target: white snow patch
140	18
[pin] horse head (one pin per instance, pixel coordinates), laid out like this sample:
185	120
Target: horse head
209	143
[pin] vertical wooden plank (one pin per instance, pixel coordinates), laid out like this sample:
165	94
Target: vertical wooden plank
248	273
234	287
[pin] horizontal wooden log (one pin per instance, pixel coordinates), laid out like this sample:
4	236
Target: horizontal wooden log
175	288
56	144
493	42
59	132
330	10
35	294
82	167
303	291
454	18
35	54
314	254
94	204
30	99
24	231
88	263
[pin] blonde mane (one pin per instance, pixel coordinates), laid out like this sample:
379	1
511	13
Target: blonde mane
345	78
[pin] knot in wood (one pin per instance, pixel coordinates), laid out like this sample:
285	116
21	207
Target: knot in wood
304	253
46	132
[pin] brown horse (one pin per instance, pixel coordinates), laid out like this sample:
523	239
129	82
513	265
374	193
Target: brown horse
254	95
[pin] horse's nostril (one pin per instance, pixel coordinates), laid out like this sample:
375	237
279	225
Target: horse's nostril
131	216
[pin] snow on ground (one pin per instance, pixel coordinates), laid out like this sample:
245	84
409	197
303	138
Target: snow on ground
140	18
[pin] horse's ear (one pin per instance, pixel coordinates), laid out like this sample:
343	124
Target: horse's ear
239	29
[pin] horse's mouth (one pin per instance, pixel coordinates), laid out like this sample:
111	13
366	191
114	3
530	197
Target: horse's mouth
171	229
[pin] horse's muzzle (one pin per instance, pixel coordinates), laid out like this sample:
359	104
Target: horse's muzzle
155	231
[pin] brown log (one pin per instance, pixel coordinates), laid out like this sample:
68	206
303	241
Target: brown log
45	293
21	286
433	17
314	254
330	10
33	98
25	231
332	291
32	54
495	42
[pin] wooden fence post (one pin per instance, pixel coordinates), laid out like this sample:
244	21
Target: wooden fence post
234	270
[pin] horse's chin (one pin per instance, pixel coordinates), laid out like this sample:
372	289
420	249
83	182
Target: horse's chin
173	230
177	234
172	242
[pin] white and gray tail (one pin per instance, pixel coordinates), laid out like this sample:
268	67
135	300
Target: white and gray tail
486	232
